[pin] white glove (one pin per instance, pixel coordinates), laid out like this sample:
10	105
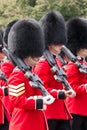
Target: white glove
48	99
70	93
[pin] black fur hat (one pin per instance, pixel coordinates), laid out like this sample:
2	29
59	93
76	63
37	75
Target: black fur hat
7	29
26	39
53	25
77	34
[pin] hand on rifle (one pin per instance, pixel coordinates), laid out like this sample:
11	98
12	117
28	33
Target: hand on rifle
70	93
48	99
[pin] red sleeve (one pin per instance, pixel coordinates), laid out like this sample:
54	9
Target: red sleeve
17	92
7	68
1	92
75	78
3	85
42	69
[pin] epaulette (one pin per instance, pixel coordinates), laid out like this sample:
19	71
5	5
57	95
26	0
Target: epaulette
16	69
42	58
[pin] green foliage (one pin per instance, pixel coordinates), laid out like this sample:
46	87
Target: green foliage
72	8
18	9
23	3
32	2
4	13
51	3
38	11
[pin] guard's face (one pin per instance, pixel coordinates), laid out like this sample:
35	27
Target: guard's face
31	61
82	53
55	49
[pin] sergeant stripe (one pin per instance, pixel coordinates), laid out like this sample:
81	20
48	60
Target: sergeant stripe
16	90
16	87
16	94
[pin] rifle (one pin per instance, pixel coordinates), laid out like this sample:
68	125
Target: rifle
59	73
62	59
35	81
3	76
82	67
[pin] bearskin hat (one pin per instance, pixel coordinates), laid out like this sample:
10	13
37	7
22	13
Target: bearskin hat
26	39
53	26
77	34
7	29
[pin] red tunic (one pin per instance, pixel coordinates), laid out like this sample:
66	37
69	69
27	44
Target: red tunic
7	68
58	109
1	107
78	104
24	115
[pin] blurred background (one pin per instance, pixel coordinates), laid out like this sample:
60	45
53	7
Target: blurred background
18	9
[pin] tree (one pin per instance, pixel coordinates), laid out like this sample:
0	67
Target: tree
18	9
23	3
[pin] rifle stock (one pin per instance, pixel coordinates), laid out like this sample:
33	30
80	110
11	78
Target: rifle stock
82	67
68	53
59	73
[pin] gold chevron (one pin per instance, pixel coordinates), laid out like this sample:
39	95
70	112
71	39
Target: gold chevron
16	90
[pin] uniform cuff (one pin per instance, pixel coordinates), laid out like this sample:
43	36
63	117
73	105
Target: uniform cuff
61	95
6	91
39	103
